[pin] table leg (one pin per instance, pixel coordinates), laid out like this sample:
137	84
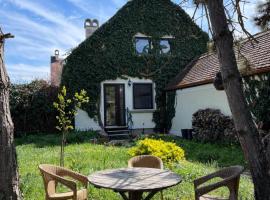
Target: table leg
151	195
123	195
135	195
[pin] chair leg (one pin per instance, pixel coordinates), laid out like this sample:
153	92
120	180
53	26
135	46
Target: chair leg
233	195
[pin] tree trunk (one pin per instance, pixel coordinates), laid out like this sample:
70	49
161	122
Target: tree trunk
9	178
62	152
246	129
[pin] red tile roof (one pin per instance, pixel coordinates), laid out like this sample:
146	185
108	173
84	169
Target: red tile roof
203	70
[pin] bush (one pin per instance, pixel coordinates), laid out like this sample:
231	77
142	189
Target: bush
257	90
210	125
31	107
169	152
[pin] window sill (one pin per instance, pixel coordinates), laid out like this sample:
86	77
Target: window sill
142	110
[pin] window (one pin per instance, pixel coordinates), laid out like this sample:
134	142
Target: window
146	45
142	45
143	96
164	45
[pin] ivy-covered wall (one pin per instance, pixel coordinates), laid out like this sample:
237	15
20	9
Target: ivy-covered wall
257	92
109	53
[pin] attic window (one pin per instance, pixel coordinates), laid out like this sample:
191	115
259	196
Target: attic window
164	45
142	45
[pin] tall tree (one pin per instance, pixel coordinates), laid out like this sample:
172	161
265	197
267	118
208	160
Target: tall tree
248	134
9	177
263	17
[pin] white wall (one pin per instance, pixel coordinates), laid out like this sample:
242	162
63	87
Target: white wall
190	100
141	118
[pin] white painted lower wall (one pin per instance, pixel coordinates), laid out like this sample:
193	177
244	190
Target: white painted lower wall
190	100
141	118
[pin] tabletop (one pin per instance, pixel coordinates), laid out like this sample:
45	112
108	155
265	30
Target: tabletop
134	179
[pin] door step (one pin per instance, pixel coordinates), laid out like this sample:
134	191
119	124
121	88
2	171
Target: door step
119	134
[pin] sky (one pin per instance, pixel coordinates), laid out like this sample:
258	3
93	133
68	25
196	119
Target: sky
42	26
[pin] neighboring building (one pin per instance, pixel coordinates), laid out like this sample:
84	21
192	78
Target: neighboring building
57	63
126	63
194	85
56	68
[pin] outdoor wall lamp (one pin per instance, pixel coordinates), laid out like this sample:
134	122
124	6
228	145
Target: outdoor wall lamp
129	82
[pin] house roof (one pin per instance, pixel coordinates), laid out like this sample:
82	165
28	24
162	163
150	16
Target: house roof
203	70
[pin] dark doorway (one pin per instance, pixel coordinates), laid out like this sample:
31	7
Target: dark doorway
114	105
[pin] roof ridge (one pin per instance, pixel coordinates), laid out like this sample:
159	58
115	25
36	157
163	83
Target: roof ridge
256	35
204	69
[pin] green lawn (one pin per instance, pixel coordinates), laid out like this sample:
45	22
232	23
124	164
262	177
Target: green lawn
86	158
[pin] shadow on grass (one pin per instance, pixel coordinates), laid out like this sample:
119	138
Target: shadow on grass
41	140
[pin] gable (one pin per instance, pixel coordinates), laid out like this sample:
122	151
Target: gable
109	53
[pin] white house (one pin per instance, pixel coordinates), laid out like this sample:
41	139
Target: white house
125	64
194	86
125	89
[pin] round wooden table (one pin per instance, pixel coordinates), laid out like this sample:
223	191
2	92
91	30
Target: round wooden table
135	181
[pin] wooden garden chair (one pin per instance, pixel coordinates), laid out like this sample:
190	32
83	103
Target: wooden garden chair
53	174
230	178
146	161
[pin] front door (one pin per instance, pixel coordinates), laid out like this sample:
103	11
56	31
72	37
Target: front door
114	105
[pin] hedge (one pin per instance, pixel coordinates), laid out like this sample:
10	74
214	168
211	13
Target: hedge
31	107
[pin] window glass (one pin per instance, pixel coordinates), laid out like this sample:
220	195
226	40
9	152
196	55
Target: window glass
143	96
142	45
164	46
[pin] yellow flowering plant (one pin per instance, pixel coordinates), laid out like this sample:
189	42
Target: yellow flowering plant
168	152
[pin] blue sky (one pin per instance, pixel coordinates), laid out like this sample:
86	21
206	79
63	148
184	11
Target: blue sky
42	26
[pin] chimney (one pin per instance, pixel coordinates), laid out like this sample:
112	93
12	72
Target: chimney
56	69
90	27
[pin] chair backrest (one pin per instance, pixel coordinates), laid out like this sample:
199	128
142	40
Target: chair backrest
49	182
146	161
231	172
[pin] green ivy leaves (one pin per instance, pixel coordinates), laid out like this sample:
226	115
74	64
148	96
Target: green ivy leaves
109	53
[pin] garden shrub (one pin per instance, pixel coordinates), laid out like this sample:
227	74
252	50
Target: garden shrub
210	125
168	152
31	107
257	91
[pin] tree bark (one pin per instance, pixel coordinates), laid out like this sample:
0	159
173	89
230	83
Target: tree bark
9	177
246	129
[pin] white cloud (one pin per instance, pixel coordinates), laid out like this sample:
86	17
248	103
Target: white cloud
95	9
52	16
20	73
119	3
36	38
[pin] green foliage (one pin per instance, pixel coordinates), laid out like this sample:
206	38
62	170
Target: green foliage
87	158
109	53
31	107
257	92
223	154
67	108
168	152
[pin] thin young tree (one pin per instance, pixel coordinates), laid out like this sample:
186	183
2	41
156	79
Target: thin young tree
9	177
252	145
67	109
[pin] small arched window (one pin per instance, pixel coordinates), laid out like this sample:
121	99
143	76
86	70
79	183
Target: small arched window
142	45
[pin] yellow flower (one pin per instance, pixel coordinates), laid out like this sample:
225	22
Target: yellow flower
169	152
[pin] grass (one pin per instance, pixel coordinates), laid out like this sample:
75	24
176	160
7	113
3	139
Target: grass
87	158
